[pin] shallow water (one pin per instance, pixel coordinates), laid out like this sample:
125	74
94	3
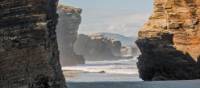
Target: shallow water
123	66
102	77
100	71
118	74
124	84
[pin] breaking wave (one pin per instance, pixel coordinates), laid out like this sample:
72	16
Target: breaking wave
123	66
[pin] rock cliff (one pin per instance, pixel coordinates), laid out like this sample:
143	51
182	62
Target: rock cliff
170	41
29	56
128	48
95	47
67	28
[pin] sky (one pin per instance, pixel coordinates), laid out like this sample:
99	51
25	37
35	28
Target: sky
124	17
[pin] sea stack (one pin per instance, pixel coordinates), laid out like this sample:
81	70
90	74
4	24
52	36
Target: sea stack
29	56
67	32
170	41
95	47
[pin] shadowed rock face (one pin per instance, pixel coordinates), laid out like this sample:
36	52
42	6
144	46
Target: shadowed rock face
97	48
170	41
29	55
67	28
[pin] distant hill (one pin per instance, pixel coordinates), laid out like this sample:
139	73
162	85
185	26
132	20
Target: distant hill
126	41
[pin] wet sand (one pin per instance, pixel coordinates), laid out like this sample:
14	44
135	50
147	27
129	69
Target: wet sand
81	79
82	76
155	84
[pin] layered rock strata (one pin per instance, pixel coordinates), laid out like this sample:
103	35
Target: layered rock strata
67	28
170	41
29	56
97	48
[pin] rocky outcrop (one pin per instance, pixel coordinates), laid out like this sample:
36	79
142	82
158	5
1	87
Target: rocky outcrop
29	56
67	28
96	47
170	41
128	49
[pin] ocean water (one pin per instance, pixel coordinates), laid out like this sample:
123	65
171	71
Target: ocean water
118	74
106	71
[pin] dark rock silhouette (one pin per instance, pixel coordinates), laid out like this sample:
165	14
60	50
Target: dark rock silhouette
67	28
161	61
29	56
97	48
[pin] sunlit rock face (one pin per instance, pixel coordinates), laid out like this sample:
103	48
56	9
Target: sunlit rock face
29	55
67	28
95	47
170	41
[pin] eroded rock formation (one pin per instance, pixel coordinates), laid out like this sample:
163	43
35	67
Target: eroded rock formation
29	55
96	47
170	41
67	28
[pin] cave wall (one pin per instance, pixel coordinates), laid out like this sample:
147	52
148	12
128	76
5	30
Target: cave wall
170	41
29	56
